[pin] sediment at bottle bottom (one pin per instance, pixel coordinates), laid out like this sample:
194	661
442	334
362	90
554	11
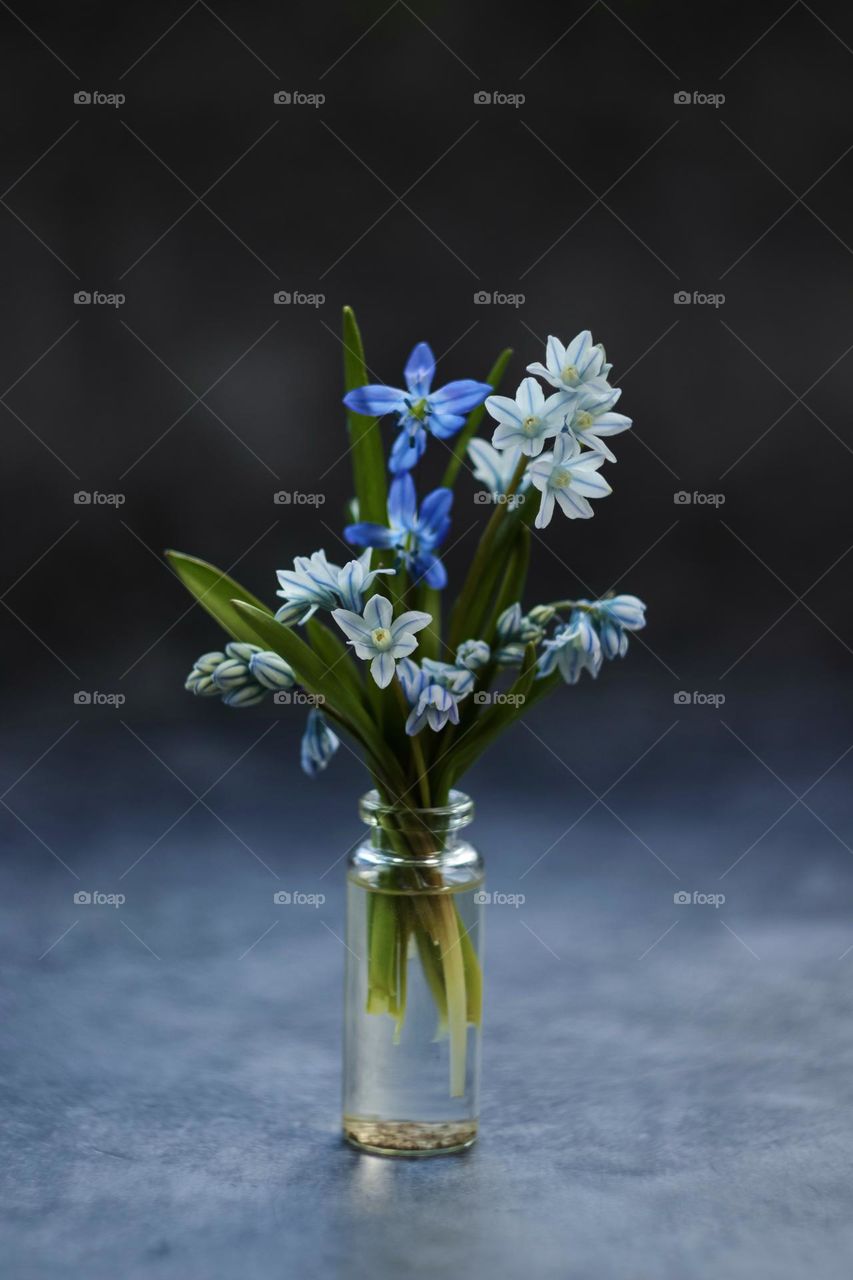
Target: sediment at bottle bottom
409	1137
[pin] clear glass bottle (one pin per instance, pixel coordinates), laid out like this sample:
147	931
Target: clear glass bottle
413	1000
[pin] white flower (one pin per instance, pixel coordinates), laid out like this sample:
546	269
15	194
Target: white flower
495	468
568	367
592	418
314	584
529	420
378	639
569	478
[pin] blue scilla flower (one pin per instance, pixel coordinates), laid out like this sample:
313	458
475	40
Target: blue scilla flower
313	583
473	654
414	534
419	410
514	630
433	691
379	638
495	468
574	647
319	744
271	671
613	619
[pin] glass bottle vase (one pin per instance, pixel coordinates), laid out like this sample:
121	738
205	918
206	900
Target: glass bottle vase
413	997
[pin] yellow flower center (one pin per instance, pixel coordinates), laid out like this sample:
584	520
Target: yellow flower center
381	637
584	420
561	479
529	426
570	373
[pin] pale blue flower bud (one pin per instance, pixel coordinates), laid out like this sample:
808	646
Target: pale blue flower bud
231	674
208	662
319	744
249	696
242	651
271	671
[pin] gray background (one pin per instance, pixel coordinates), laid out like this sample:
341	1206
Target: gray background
666	1087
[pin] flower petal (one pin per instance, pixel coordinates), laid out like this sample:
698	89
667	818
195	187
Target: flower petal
420	369
352	624
375	401
371	535
414	620
382	669
402	502
459	397
378	613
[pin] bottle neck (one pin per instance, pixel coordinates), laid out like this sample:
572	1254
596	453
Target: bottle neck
402	834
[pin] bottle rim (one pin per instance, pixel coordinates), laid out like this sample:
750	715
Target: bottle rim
458	812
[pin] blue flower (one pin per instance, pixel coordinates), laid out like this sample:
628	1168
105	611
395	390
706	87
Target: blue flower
495	468
613	618
415	535
433	691
419	410
574	647
378	639
473	654
514	632
314	584
319	744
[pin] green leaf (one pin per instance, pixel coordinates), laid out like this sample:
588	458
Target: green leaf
475	417
512	587
314	674
428	600
368	458
335	654
215	592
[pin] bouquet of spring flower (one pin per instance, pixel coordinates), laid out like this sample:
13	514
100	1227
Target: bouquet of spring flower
382	657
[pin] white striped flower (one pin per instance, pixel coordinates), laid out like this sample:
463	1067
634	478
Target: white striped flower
379	638
526	422
568	477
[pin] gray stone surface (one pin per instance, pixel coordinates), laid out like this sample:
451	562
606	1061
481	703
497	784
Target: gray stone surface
667	1090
